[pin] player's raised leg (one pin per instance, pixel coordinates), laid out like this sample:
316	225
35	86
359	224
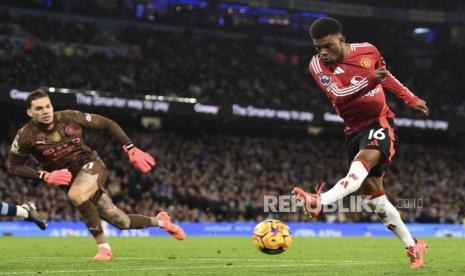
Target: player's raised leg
358	171
27	211
374	196
116	217
82	189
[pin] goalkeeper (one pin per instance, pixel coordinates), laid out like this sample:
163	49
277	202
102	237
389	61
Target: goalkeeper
55	140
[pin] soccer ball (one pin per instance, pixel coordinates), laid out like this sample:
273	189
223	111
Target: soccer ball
272	237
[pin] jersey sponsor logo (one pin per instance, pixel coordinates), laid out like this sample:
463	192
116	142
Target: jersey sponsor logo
88	117
356	79
325	80
48	151
373	92
56	137
62	148
70	129
365	62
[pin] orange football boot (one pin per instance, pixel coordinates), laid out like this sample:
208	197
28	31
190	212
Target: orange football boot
170	227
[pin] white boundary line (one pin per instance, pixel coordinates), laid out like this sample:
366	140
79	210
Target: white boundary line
201	259
178	268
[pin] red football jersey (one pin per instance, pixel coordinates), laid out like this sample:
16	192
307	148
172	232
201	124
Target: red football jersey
349	84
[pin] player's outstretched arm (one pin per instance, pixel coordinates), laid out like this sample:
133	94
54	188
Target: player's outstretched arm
397	88
98	122
140	159
421	106
389	82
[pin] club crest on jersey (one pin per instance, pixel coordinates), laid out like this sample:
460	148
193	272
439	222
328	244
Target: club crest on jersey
56	137
365	62
70	129
325	80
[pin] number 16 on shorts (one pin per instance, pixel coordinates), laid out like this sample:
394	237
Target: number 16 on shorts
377	134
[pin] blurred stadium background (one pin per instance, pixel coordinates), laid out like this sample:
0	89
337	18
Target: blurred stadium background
220	94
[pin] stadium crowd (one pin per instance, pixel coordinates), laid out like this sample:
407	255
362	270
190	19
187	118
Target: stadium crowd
217	177
213	69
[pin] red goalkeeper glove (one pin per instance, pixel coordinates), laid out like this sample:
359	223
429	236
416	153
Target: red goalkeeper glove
141	160
58	177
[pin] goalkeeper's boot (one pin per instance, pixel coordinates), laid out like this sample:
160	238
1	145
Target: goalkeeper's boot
312	205
170	227
416	253
34	216
103	254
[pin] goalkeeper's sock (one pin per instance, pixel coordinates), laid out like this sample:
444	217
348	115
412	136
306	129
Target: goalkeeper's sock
140	221
390	217
357	173
91	218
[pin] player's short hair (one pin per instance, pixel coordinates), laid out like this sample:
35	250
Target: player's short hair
34	95
325	26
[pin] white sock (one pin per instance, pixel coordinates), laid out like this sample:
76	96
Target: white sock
21	212
104	245
159	222
391	218
347	185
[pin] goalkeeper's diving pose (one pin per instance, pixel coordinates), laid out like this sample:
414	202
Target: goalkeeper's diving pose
55	140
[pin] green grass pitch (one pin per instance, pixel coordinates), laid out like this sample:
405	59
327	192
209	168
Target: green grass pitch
225	256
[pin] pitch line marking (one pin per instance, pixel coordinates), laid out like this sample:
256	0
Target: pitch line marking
204	259
172	268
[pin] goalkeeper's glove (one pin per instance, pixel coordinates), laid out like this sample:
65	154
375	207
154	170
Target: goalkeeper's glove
58	177
140	159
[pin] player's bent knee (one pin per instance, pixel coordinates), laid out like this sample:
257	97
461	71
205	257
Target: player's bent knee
77	197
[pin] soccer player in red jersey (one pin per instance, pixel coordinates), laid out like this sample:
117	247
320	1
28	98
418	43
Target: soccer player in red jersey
354	77
55	140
